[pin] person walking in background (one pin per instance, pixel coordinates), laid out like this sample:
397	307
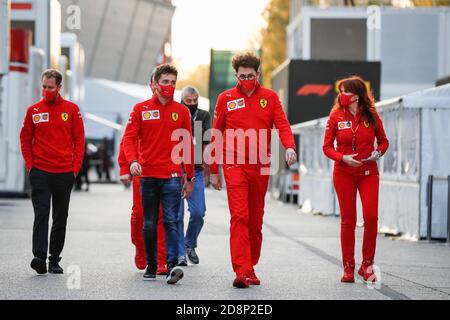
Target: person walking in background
105	157
84	173
52	143
355	125
96	157
196	203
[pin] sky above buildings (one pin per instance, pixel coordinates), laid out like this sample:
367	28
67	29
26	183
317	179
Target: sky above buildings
199	25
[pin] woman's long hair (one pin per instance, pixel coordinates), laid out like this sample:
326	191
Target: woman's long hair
356	85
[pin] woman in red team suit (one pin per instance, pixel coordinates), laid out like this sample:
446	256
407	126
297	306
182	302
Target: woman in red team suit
355	125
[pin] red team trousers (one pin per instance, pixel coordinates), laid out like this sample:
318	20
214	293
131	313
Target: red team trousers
347	183
246	190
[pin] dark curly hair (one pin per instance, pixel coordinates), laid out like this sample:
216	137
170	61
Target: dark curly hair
246	60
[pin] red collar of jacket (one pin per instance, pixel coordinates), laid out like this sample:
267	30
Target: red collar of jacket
347	112
155	100
58	100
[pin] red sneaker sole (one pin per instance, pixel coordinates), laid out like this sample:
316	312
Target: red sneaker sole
161	273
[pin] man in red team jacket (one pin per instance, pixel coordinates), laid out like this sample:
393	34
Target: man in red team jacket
155	130
137	217
250	109
52	143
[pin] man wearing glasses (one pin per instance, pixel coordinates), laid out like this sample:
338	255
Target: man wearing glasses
149	149
253	111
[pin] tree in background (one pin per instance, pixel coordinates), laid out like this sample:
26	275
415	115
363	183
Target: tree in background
273	38
199	78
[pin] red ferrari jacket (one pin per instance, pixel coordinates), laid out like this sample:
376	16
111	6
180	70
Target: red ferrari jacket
148	138
52	137
122	160
340	127
262	110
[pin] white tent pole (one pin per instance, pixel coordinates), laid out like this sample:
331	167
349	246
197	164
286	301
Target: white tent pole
103	121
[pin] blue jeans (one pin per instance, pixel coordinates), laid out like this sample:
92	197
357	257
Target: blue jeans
153	192
197	209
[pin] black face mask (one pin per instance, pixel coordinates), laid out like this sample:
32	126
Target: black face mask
192	108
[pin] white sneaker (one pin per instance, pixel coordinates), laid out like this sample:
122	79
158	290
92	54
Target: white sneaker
175	274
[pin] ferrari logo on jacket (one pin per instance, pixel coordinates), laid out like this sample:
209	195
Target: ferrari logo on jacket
40	117
175	116
366	124
64	116
263	103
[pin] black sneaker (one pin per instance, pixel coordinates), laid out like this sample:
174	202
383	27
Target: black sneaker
174	275
192	255
39	265
182	262
54	267
149	274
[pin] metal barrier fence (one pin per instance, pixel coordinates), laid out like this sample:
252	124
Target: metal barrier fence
431	180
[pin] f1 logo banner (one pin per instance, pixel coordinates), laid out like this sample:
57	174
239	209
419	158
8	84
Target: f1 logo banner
311	85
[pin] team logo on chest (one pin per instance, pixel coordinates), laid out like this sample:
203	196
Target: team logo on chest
175	116
150	115
235	104
40	117
64	116
344	125
366	124
263	103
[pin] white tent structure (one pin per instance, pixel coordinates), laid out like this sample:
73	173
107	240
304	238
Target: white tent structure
113	101
417	126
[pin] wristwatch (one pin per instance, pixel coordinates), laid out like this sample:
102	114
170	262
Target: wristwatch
378	154
190	179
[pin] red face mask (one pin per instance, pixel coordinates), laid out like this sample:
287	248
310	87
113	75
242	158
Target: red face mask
49	96
167	91
345	100
248	85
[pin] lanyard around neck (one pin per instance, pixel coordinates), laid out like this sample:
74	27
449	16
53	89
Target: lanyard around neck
355	130
358	123
195	115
